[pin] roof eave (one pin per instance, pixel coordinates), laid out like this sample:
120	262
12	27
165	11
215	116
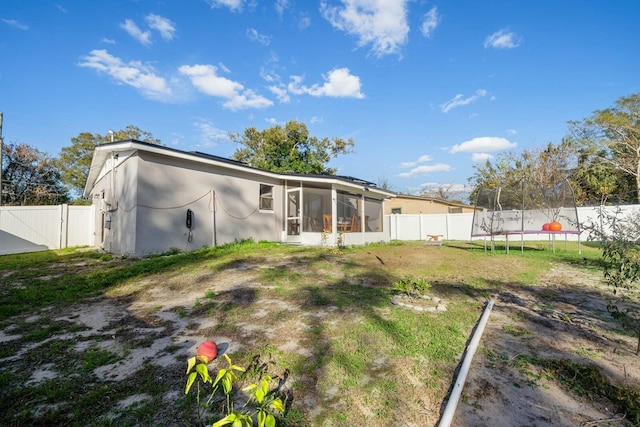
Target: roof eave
102	152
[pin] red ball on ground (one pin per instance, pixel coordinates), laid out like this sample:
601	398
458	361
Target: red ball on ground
555	226
207	351
545	227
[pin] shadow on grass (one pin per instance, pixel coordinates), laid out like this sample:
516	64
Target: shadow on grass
62	279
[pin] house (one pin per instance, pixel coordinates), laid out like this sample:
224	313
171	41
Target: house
150	199
405	204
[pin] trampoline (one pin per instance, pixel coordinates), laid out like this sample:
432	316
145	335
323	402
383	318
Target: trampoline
524	209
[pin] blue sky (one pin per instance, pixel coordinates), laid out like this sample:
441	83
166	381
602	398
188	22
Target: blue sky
424	88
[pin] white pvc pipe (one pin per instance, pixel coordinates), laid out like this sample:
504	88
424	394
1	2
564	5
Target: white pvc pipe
447	415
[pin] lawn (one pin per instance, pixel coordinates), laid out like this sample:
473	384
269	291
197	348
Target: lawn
92	339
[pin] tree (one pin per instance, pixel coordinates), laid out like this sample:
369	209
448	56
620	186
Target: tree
383	183
540	169
450	192
619	237
612	136
75	160
289	149
596	182
29	177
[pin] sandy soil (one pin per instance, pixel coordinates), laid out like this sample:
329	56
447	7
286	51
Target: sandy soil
563	316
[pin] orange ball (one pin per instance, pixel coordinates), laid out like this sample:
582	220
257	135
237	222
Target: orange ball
555	226
207	351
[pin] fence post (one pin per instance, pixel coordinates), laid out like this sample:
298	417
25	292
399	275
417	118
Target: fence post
64	226
446	226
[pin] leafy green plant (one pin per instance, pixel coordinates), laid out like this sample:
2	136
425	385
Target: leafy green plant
323	237
263	403
412	286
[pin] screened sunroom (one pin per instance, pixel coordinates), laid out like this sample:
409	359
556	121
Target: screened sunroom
339	211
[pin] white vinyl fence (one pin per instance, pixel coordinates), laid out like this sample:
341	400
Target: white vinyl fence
458	226
37	228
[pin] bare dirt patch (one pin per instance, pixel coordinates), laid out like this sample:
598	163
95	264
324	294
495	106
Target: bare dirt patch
563	316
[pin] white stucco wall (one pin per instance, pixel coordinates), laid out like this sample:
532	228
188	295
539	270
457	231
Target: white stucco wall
168	187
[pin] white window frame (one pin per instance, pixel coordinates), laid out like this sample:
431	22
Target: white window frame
265	202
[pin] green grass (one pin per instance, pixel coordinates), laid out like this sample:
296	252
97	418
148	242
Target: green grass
516	331
95	357
364	350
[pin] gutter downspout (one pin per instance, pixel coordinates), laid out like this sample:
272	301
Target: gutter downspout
447	415
113	178
214	236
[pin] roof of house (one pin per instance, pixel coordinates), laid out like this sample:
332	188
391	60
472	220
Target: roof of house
433	200
103	151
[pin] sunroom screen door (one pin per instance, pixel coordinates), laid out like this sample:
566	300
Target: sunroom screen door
293	212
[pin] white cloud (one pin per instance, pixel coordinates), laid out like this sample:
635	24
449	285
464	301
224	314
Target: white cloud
339	83
459	100
316	119
176	138
162	25
269	71
255	36
268	75
108	41
421	159
482	144
15	24
503	39
133	73
233	5
304	22
236	96
280	91
425	170
134	31
429	22
480	157
512	132
209	134
61	9
281	5
379	23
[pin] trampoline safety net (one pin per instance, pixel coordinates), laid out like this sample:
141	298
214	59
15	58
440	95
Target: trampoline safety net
525	209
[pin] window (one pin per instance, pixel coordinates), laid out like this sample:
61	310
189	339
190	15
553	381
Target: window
396	210
455	210
266	197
